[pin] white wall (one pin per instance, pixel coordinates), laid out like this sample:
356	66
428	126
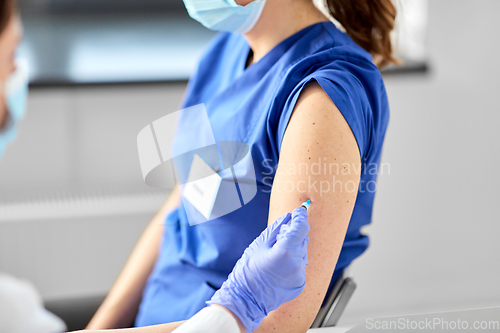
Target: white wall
85	134
72	198
434	237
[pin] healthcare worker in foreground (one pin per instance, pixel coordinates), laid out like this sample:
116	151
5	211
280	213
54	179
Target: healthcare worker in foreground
13	75
21	307
309	101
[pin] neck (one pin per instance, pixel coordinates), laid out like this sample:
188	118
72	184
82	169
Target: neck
279	20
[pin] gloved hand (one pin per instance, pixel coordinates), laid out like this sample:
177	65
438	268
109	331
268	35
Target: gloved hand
271	271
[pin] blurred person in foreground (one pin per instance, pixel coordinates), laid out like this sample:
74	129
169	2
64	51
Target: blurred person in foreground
21	307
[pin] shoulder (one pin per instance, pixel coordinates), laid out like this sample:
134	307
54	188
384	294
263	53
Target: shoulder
348	79
338	64
336	57
355	92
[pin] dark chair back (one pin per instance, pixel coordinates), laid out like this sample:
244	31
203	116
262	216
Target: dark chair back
337	300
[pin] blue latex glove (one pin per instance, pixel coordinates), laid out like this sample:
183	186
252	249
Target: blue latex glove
271	271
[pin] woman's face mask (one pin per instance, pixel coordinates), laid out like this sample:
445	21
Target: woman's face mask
225	15
15	93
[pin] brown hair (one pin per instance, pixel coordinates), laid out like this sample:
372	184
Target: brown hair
7	8
369	23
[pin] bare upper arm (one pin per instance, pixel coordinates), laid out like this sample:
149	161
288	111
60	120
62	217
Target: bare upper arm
319	160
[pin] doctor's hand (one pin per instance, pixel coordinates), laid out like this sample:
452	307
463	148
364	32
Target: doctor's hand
271	271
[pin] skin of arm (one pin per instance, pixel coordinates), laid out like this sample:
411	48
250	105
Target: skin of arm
122	302
316	134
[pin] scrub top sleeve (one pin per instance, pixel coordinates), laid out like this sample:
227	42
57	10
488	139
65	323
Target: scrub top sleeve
348	95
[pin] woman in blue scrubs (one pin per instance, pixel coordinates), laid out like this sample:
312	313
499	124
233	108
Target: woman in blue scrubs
309	101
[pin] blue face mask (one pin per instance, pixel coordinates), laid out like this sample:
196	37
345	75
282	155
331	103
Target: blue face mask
16	91
225	15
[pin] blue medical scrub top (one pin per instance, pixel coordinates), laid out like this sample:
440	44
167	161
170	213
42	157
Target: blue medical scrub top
253	105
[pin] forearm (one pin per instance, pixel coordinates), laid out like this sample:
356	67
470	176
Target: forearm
170	327
122	302
162	328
